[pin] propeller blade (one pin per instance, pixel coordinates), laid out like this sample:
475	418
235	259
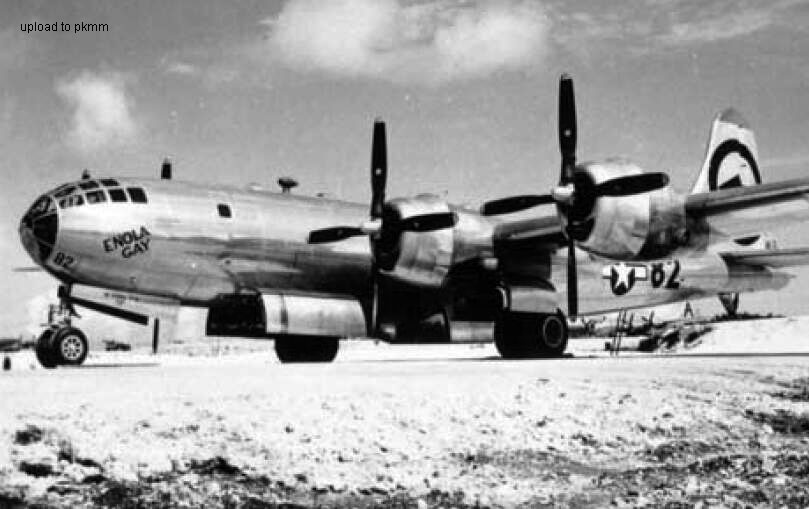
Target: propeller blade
379	168
632	184
374	300
334	234
572	280
428	222
567	128
514	204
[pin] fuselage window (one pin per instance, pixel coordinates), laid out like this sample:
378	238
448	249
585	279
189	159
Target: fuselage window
136	195
224	210
109	182
71	201
89	184
96	197
117	195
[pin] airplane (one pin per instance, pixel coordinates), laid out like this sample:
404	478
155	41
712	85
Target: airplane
310	271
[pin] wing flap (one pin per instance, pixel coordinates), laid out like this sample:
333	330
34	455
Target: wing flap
776	259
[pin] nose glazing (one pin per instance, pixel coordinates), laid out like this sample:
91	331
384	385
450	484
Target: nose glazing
38	229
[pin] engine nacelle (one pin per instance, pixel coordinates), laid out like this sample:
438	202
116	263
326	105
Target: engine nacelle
645	225
422	258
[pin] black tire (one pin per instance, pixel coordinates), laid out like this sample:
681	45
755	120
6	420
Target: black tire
553	336
44	350
530	335
509	337
70	346
306	349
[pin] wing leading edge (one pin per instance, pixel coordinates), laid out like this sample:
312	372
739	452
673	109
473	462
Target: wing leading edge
741	210
542	231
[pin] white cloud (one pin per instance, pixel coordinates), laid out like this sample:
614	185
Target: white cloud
718	28
659	25
430	42
102	111
182	68
201	65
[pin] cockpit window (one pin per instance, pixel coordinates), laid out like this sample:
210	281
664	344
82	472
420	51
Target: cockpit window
88	184
117	195
64	191
71	201
96	197
136	194
109	182
42	206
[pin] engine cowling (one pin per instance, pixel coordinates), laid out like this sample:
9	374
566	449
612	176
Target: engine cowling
420	258
645	225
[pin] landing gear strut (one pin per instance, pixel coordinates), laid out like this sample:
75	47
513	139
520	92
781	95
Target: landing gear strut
65	346
730	301
530	335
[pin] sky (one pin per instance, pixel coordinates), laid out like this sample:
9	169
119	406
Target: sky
245	92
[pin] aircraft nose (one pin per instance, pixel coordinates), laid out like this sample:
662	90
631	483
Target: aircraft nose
38	229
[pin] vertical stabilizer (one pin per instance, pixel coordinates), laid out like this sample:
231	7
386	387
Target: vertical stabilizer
731	159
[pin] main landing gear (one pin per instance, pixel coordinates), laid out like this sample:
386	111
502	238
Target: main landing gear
61	346
530	335
306	349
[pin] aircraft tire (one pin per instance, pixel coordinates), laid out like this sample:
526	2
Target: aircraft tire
44	350
553	335
70	346
512	335
530	336
306	349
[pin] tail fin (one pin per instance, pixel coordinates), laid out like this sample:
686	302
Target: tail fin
731	159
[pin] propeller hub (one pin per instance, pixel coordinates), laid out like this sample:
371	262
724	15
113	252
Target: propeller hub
371	227
563	194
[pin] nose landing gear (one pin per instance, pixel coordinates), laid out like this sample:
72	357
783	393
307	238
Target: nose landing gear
61	344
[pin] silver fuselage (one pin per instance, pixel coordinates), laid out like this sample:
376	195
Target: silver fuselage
181	243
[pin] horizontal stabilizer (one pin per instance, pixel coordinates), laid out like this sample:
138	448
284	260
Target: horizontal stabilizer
778	258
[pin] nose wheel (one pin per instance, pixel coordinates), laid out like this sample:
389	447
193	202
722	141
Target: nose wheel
62	346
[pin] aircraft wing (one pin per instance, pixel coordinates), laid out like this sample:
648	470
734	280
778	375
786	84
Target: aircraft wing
540	231
772	258
741	210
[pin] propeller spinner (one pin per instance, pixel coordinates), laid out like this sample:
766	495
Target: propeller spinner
382	226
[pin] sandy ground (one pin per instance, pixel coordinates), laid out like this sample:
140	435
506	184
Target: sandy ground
725	422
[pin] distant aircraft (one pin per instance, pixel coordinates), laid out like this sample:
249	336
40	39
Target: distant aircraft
309	271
